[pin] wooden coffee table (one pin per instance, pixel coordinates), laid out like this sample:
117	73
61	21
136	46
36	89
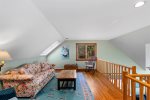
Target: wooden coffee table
65	77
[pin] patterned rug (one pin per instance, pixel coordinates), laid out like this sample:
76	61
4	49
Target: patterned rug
50	92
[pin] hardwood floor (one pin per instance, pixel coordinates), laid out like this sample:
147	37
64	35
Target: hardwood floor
101	88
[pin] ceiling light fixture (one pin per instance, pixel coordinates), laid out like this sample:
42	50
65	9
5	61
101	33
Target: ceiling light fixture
139	4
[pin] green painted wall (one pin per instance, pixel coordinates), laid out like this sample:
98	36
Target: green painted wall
105	51
16	63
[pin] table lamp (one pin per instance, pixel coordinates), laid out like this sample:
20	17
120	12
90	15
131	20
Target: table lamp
4	55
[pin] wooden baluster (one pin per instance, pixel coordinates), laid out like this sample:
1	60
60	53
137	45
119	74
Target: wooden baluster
115	75
106	64
141	89
105	68
96	64
133	90
119	78
102	64
129	84
124	81
145	88
148	89
126	69
133	84
108	71
113	72
123	69
102	67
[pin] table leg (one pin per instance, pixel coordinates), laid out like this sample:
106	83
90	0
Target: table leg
75	84
58	84
62	84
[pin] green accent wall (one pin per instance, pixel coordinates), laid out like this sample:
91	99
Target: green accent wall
105	51
15	63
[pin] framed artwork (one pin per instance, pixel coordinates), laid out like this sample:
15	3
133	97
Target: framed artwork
86	51
65	52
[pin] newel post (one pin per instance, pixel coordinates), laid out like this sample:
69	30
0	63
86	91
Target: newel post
148	89
125	82
133	89
133	69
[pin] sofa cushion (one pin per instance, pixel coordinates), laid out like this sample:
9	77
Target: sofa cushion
19	71
12	72
22	71
45	66
40	77
38	68
16	77
32	68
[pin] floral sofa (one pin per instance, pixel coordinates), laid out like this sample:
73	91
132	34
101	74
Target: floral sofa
28	79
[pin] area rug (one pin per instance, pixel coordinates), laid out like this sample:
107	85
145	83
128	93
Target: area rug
50	92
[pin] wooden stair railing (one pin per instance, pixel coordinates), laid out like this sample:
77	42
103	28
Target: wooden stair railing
113	72
125	79
144	85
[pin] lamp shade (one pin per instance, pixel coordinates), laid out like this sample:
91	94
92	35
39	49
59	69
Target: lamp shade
4	55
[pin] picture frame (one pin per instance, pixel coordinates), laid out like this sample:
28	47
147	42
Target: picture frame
85	51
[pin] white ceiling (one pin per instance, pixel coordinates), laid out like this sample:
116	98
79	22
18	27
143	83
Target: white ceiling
24	31
27	27
94	19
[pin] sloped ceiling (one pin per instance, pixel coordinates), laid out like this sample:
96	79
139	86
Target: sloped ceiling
24	31
94	19
133	44
27	27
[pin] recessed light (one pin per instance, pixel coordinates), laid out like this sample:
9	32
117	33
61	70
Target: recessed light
139	4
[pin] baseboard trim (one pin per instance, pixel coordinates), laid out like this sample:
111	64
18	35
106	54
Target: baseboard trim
79	70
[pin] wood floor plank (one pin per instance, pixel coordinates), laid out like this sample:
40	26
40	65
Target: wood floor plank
101	88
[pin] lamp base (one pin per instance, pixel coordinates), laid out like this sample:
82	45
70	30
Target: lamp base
1	65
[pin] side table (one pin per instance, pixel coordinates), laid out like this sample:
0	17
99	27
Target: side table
70	67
